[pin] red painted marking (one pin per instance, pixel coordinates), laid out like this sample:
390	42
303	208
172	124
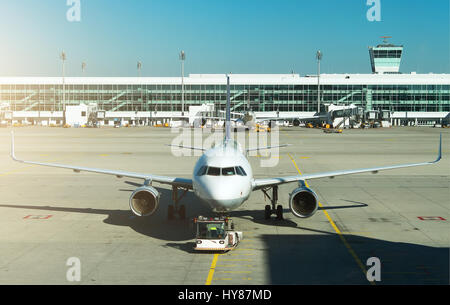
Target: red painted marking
431	218
37	217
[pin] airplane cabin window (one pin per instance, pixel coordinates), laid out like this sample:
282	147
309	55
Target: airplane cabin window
213	171
228	171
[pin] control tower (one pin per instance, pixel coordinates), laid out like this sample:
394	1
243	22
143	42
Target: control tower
385	58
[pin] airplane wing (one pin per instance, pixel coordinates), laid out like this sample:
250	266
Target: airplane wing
268	182
181	182
286	118
218	118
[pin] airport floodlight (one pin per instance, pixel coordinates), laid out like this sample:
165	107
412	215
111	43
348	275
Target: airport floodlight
139	67
182	55
63	57
319	55
319	58
83	67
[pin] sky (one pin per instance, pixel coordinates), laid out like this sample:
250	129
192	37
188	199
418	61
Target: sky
238	36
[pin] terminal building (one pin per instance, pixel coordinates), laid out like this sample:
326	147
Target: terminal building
411	99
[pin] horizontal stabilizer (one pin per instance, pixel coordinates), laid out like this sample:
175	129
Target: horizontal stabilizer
267	147
187	147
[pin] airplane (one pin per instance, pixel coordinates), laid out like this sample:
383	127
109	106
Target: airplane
248	120
223	179
331	112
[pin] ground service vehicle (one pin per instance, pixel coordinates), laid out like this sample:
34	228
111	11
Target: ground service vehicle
216	234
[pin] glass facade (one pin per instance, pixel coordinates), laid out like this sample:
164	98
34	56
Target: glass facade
167	97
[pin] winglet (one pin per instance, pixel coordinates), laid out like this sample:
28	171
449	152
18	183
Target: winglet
440	150
13	155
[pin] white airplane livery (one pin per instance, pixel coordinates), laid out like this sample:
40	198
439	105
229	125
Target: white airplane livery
223	179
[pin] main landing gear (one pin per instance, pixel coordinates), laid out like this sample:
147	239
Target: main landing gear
175	209
274	209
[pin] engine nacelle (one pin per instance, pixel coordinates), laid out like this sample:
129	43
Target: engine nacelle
144	201
303	202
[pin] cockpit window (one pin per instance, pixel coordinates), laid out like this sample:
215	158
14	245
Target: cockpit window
202	170
217	171
213	171
240	171
228	171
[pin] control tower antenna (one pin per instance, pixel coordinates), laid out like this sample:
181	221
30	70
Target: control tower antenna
385	38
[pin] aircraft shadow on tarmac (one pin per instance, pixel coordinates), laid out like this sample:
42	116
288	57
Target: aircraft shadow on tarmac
257	216
155	226
158	226
325	259
310	257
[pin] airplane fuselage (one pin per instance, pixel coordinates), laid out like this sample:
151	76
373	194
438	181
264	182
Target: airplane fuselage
222	177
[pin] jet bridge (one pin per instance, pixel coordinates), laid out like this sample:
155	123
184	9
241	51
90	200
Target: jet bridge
344	116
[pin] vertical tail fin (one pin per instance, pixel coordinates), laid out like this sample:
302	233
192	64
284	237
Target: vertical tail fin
228	112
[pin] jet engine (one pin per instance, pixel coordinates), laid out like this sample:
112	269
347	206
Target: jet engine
144	201
303	202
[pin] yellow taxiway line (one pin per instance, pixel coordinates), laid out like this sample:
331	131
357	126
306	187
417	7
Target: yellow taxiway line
330	220
336	229
212	269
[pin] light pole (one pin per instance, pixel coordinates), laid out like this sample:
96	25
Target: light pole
83	68
139	67
182	58
319	58
63	57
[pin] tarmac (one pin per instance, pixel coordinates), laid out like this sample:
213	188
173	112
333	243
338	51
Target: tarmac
400	217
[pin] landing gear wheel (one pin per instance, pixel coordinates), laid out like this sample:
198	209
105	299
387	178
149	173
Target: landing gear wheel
279	212
170	212
182	212
267	212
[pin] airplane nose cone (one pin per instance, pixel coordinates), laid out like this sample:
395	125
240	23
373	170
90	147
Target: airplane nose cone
222	196
217	192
